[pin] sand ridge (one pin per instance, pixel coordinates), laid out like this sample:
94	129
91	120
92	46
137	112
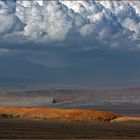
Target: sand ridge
59	114
125	118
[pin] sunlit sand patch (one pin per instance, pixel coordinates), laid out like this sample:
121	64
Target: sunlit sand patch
125	119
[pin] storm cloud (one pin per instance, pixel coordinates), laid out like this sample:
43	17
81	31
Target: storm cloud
70	43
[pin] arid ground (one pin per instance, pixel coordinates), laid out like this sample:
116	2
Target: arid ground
48	123
37	129
123	101
70	114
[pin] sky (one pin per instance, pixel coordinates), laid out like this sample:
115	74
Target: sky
70	44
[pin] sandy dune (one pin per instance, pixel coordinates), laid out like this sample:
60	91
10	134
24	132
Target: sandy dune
124	119
58	114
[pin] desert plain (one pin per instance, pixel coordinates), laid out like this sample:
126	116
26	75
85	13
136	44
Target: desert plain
65	114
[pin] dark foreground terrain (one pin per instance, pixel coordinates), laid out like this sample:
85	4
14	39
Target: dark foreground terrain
40	129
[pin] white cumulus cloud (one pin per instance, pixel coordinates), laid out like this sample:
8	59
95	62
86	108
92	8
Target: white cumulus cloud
89	23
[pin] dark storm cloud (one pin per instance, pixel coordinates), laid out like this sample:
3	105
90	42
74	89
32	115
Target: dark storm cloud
74	44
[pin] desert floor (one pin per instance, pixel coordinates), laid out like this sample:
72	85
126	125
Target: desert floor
40	129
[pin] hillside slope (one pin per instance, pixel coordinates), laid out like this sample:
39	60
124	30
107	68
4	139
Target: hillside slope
58	114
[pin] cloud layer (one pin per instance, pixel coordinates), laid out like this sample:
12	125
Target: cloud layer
88	24
70	43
